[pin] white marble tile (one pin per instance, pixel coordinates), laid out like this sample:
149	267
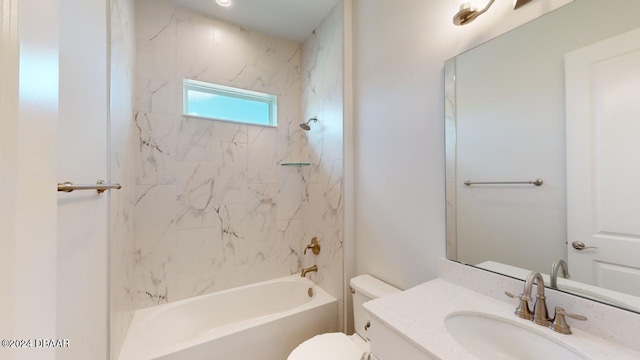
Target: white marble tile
204	255
322	199
292	193
195	195
122	142
230	53
197	22
262	162
324	207
150	280
156	155
155	225
152	19
155	95
231	219
333	121
194	54
289	245
321	212
155	57
198	138
278	257
154	243
230	161
262	214
201	185
198	258
273	64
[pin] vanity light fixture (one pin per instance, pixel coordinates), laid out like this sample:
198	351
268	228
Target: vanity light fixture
519	3
468	13
225	3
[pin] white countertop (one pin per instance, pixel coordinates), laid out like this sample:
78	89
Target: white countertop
419	314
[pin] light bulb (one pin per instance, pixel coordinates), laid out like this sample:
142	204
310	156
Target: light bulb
224	3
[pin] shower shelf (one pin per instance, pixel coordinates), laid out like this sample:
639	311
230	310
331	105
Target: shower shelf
295	164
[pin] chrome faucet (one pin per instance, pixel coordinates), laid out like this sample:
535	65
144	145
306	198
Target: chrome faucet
314	268
558	265
540	313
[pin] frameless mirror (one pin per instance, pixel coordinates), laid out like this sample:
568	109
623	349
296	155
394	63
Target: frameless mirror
542	127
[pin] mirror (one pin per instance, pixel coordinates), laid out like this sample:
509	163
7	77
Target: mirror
557	100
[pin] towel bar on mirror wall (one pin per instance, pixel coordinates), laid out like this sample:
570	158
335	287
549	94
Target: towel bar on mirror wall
536	182
100	186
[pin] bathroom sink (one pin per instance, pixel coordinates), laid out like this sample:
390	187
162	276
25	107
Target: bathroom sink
494	338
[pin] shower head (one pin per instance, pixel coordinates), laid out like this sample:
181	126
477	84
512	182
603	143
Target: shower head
305	125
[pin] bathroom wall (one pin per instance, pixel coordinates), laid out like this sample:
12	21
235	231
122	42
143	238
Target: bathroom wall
122	149
399	54
213	208
322	96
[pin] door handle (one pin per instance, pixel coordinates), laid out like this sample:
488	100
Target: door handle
579	245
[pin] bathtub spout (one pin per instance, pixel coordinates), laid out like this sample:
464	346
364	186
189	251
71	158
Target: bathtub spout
314	268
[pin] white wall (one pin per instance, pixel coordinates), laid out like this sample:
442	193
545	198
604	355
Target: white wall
399	49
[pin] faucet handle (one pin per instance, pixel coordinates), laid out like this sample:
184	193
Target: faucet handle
314	246
560	323
514	296
522	311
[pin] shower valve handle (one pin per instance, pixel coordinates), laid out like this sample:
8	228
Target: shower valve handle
315	246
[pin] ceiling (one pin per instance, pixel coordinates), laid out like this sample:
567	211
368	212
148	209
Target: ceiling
292	20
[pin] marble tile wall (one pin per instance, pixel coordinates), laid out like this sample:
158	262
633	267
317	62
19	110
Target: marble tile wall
213	207
322	96
122	146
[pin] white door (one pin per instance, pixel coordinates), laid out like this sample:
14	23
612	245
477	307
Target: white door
603	163
82	301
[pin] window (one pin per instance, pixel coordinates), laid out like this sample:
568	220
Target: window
225	103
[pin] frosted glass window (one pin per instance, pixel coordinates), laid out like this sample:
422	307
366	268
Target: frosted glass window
229	104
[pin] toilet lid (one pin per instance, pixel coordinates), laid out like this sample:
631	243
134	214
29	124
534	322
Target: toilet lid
331	346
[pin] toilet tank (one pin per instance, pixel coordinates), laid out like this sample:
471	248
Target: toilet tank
366	288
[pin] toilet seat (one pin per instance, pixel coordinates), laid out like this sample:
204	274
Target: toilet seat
330	346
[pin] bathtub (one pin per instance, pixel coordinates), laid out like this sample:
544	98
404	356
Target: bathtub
263	321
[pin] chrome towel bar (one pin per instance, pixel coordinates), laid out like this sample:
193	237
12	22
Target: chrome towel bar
536	182
100	186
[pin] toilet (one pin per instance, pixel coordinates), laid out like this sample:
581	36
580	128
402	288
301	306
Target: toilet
338	346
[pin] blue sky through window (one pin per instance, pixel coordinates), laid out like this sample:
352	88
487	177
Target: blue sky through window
240	106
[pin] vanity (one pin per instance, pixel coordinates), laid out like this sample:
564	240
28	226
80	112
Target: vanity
445	319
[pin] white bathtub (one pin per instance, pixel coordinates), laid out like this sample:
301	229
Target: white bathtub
263	321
